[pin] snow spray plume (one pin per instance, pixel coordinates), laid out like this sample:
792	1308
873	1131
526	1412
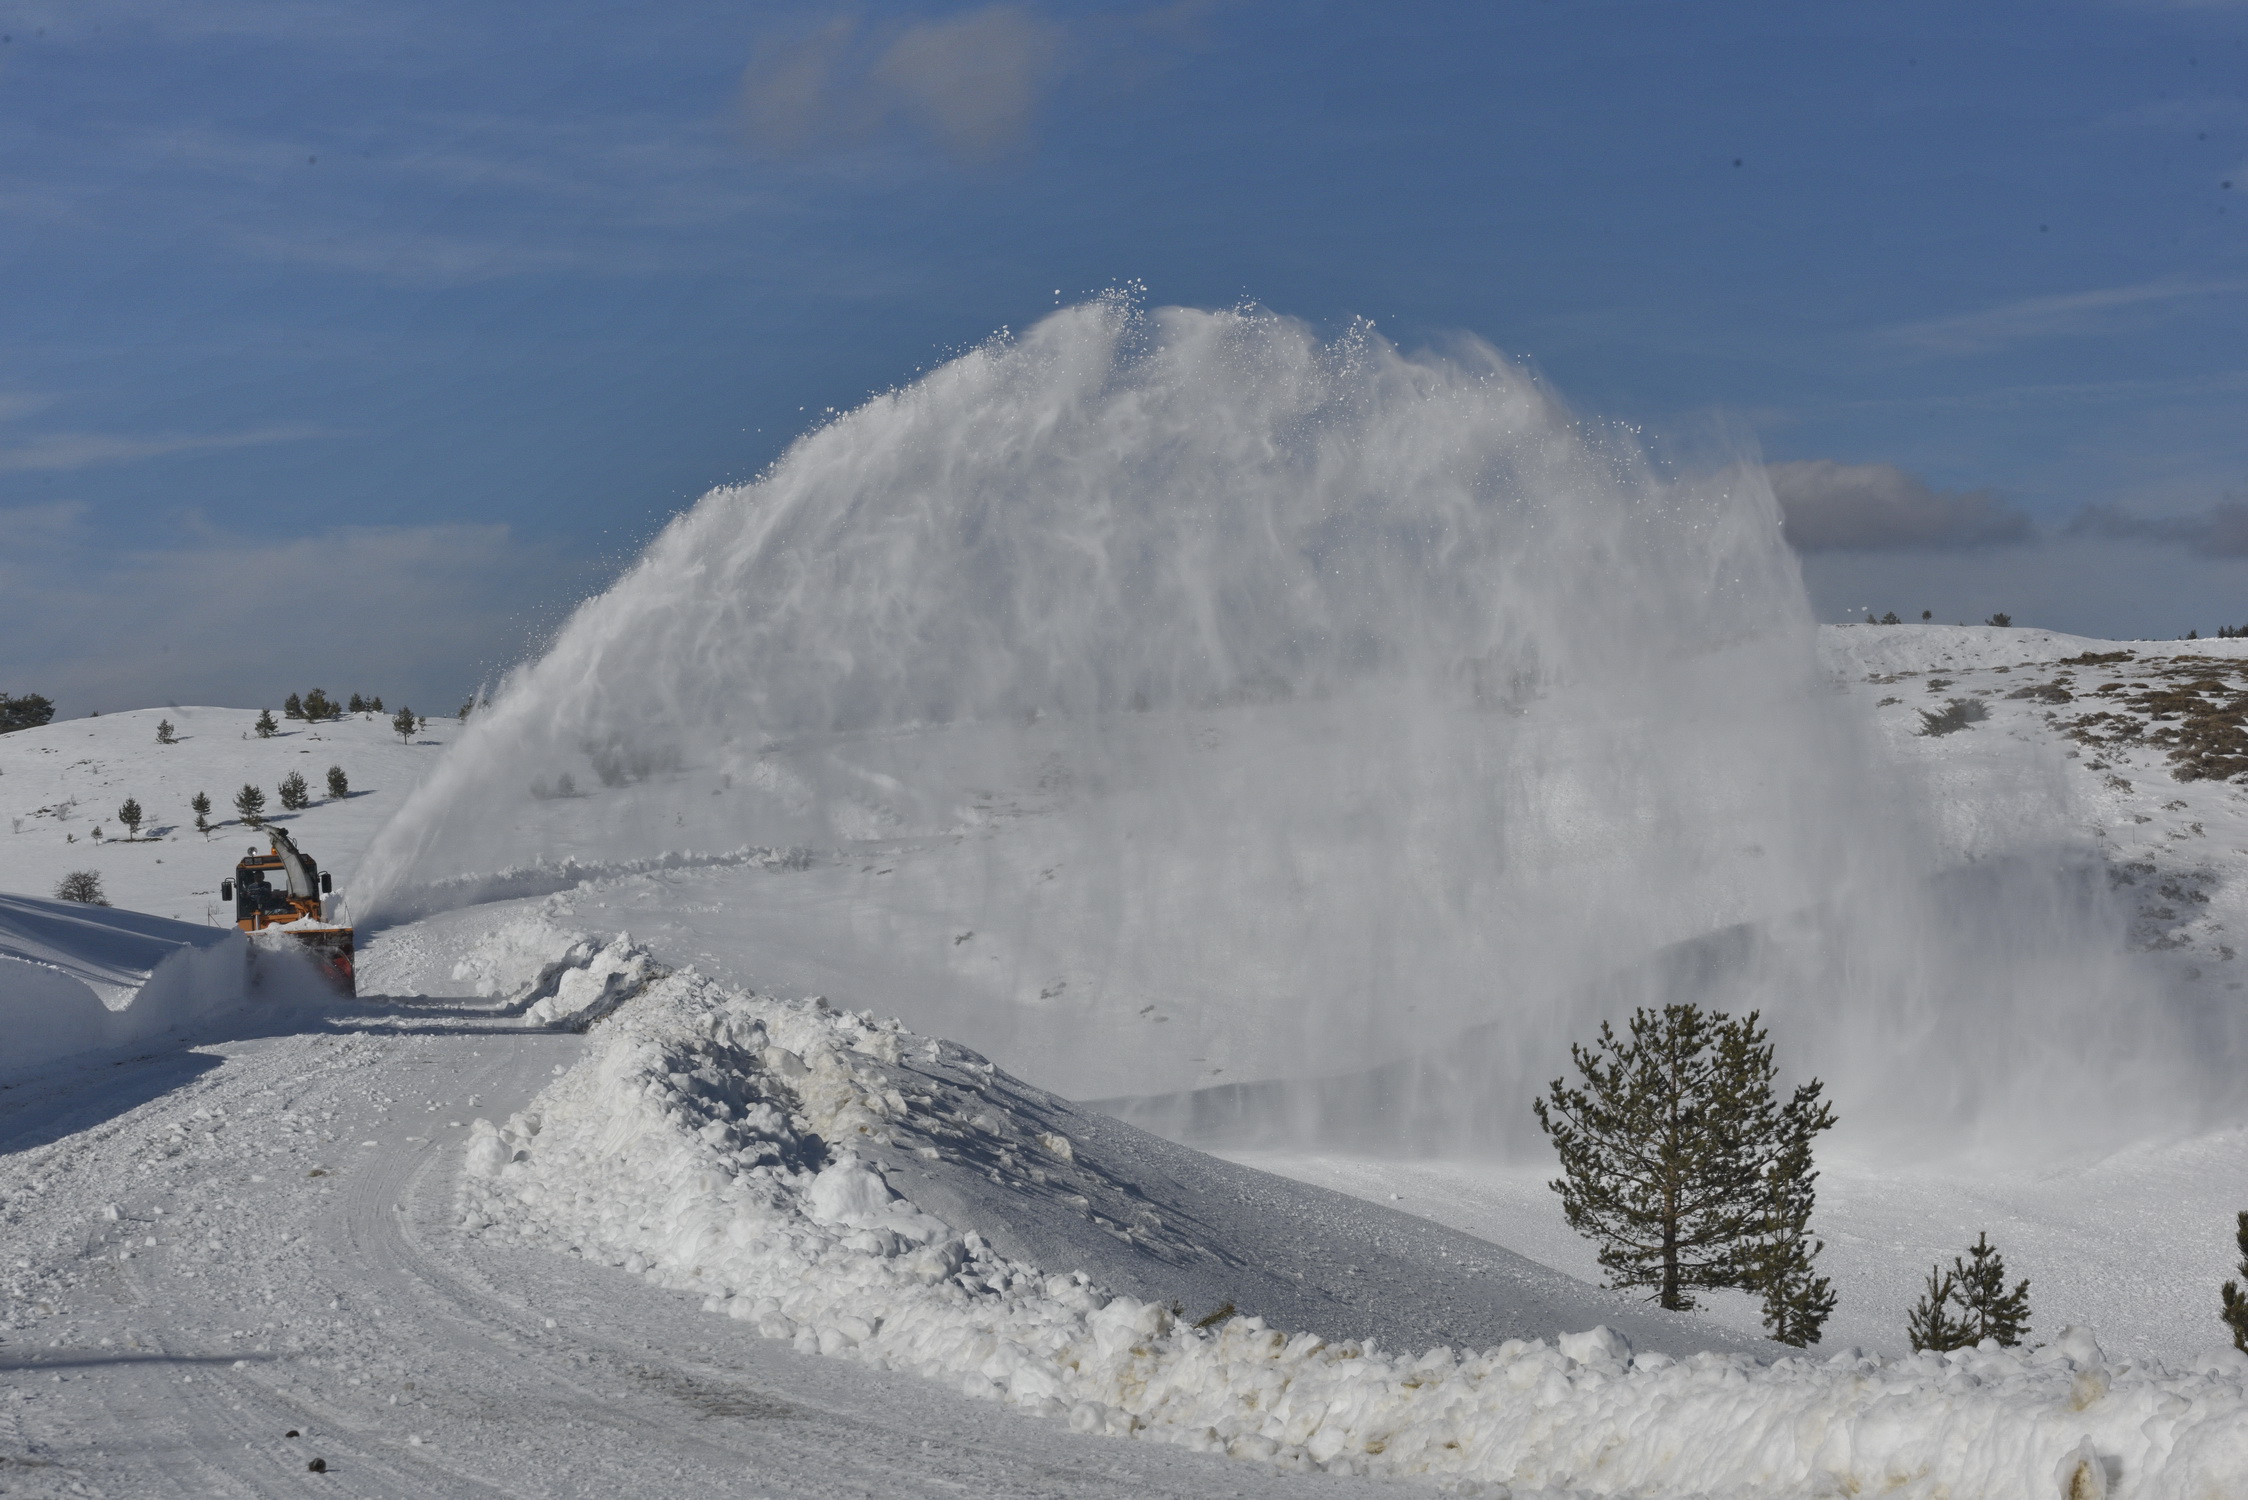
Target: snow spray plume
1277	709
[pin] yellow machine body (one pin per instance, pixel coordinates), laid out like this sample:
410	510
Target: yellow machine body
284	888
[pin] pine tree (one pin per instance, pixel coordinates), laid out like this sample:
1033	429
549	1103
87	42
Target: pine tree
130	816
403	725
1679	1163
357	705
1976	1286
83	887
1930	1324
2235	1311
295	795
292	707
339	786
1796	1301
265	726
202	805
250	803
25	711
318	706
1988	1310
374	704
165	734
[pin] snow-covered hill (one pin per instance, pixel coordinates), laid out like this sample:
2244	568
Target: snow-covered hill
463	1253
61	786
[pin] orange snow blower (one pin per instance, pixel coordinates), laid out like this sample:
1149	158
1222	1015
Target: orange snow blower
292	910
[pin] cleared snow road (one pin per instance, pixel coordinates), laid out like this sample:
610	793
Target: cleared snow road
283	1255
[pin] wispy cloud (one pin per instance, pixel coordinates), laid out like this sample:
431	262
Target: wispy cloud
421	613
1831	507
2105	310
2219	530
973	81
63	451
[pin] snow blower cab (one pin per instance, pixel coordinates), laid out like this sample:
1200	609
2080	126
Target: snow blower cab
277	899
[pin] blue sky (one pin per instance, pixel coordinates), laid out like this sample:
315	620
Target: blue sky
354	342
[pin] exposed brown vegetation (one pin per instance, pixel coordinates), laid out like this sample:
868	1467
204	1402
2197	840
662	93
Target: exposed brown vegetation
2196	708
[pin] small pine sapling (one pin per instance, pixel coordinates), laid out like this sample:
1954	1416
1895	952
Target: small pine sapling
292	706
2001	620
339	785
130	815
357	705
83	887
265	726
403	725
1976	1286
201	802
295	795
374	704
2235	1311
1987	1309
250	803
1930	1324
318	706
165	734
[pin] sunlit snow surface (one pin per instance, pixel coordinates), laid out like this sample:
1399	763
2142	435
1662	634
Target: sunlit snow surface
782	1161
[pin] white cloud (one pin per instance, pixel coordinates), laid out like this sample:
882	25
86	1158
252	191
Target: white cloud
85	450
2105	310
973	81
1830	507
420	613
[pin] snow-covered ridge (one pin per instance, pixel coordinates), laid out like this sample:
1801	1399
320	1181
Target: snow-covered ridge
722	1143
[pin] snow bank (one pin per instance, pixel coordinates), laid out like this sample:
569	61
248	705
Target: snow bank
74	978
718	1142
561	977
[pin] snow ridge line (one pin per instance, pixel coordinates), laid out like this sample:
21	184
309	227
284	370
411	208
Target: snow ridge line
545	878
704	1143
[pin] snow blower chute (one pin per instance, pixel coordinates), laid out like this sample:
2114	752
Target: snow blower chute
292	911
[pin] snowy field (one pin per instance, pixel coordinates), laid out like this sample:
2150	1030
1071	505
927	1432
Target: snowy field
531	1218
61	786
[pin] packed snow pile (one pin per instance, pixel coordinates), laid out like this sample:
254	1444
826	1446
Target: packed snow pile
733	1145
560	977
75	978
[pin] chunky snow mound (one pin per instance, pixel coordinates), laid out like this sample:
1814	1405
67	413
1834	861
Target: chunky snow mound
726	1143
76	978
560	977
